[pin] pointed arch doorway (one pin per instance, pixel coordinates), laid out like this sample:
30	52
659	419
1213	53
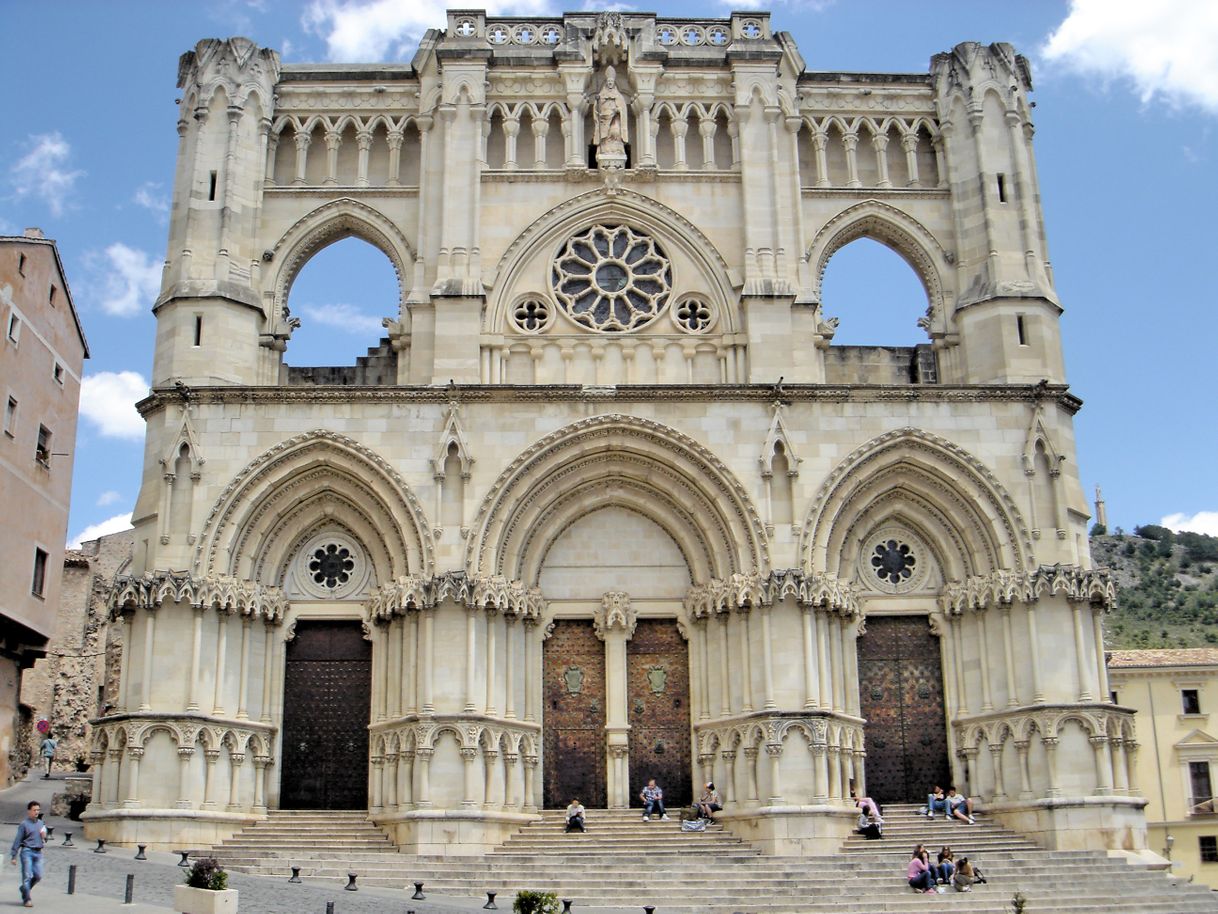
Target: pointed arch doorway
327	700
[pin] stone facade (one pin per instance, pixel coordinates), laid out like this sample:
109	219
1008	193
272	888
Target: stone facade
42	353
609	394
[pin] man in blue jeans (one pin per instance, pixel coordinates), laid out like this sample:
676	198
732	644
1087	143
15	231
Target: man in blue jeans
653	801
936	801
31	839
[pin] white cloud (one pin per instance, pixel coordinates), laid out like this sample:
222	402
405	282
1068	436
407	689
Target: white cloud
43	172
1167	49
151	197
108	497
110	525
107	399
1201	522
347	318
374	30
131	283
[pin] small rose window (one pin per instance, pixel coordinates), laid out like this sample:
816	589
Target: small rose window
612	278
331	565
893	562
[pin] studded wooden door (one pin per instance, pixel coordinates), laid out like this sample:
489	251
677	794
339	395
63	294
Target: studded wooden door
657	695
573	718
327	698
901	688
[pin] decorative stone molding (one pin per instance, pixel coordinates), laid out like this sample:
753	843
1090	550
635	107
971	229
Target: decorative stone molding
236	65
493	593
742	591
228	595
1095	586
615	612
418	736
186	730
755	732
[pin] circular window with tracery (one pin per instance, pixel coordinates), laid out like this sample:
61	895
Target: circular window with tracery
612	278
330	566
894	562
531	314
693	315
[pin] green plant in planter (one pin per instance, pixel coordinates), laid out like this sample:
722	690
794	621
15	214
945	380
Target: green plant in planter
535	903
206	873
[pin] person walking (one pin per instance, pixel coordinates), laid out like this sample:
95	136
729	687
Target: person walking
653	801
49	745
28	844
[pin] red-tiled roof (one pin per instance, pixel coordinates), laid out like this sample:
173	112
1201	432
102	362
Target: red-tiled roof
1187	656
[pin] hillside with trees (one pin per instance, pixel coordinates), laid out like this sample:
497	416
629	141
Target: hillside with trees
1167	587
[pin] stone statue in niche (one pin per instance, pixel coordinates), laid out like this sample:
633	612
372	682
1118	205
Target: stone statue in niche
610	132
574	678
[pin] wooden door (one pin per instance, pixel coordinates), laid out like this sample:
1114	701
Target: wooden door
327	700
657	693
901	692
573	716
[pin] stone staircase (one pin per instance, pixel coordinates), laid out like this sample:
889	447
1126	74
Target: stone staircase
624	862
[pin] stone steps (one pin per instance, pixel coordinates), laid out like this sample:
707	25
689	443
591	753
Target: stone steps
625	862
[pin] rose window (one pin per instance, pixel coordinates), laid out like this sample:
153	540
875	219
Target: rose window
331	565
893	562
612	278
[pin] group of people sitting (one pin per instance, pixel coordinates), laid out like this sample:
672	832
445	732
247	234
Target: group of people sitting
925	876
951	804
653	805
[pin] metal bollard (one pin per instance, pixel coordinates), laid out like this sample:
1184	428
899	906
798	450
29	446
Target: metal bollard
50	832
566	906
127	896
490	902
295	877
139	854
649	908
329	907
72	879
183	861
418	892
101	846
67	840
351	886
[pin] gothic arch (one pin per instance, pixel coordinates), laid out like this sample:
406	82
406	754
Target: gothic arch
668	226
302	484
331	222
893	228
618	460
955	501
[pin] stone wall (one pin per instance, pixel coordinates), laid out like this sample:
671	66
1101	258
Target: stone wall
78	678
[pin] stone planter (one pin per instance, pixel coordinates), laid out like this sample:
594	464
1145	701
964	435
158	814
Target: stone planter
189	900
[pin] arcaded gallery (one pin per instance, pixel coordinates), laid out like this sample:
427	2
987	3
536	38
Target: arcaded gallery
607	501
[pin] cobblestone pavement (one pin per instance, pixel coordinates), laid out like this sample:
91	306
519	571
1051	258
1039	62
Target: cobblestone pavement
101	878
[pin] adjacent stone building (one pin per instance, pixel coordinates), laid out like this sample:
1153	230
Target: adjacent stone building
608	503
42	354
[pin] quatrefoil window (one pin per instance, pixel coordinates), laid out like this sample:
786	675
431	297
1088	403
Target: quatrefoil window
893	562
531	315
612	278
693	315
331	565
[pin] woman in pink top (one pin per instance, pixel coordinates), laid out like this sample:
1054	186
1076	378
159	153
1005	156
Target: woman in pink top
920	878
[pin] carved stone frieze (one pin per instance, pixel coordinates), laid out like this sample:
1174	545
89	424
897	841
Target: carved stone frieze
744	591
492	593
1095	586
615	612
225	594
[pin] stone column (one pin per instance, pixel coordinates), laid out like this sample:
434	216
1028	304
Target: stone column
185	753
1050	744
210	756
1000	789
509	666
375	803
708	767
469	755
850	660
302	141
471	669
860	771
491	710
1120	767
746	665
1103	693
1025	777
405	779
410	672
1103	765
987	701
820	771
423	764
614	623
393	682
958	644
1038	692
532	783
116	762
1008	651
334	139
196	650
490	794
774	751
811	694
970	762
1131	767
729	766
851	142
837	673
149	654
98	760
394	139
532	669
268	665
725	668
767	659
822	661
835	772
750	758
820	140
363	140
1082	663
389	775
511	774
260	765
235	761
217	705
909	143
879	143
427	662
134	754
703	628
243	712
124	670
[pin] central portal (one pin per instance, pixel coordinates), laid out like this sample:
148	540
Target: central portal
327	699
901	692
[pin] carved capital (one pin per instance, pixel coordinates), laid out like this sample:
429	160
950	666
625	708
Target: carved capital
615	613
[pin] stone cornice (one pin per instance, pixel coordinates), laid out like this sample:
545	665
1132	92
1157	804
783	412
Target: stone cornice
493	593
1077	585
225	594
742	592
634	393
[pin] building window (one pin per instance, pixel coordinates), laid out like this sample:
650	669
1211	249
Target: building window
1112	696
10	417
1192	703
51	297
58	372
1208	845
40	572
14	328
21	264
42	451
1199	784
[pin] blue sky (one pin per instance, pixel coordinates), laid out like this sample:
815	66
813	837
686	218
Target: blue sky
1127	105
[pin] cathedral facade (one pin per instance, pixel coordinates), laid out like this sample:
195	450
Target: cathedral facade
608	503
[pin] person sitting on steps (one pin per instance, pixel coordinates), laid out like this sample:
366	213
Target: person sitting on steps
962	880
959	807
710	801
575	816
946	866
653	801
918	872
936	800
